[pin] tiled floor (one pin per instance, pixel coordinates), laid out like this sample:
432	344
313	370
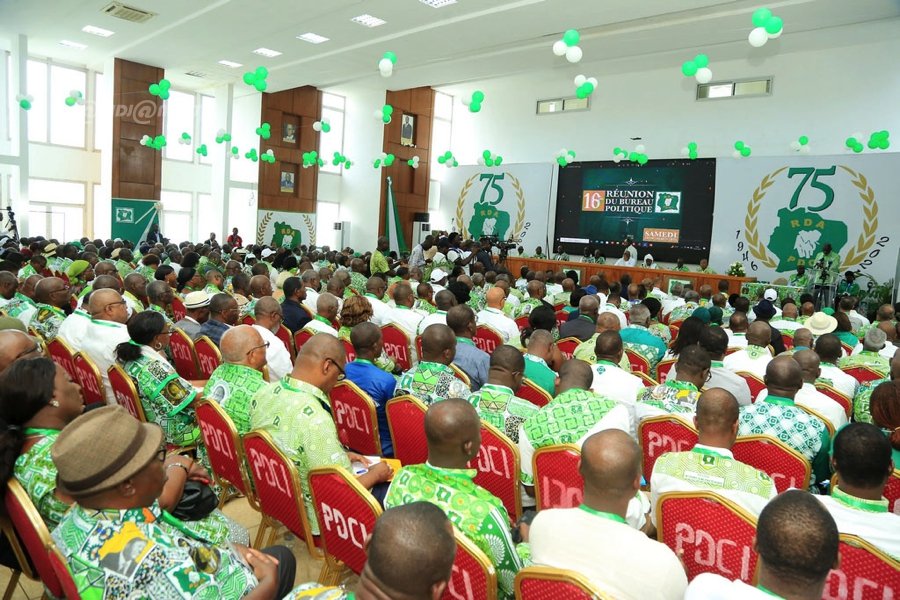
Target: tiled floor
308	568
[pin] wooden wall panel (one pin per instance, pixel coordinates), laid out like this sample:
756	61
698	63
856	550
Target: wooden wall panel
301	107
136	169
410	185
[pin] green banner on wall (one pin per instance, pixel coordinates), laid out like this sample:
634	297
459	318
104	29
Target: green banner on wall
131	219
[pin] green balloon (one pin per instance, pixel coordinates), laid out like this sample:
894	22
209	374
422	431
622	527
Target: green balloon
486	154
489	162
260	85
738	145
25	104
701	61
617	150
477	96
386	119
561	160
692	146
391	57
475	107
164	94
803	140
689	68
442	159
154	89
388	109
571	37
580	93
70	101
497	161
588	87
165	84
261	72
326	127
850	142
745	151
774	25
249	78
761	16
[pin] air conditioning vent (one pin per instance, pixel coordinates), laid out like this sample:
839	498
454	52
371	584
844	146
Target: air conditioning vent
127	13
196	74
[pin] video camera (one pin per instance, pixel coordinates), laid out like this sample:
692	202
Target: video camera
504	245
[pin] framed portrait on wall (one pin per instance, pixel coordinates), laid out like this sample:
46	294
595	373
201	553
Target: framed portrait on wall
287	182
290	126
408	130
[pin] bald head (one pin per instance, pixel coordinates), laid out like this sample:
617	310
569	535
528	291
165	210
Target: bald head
508	358
260	285
737	323
364	336
803	338
320	362
46	288
327	306
105	268
784	377
717	416
611	465
16	345
403	295
759	334
539	342
444	300
809	364
453	431
589	306
438	344
106	282
608	321
536	289
495	297
575	374
789	311
237	343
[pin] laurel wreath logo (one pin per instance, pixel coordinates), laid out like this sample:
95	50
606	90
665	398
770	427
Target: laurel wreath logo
864	242
310	228
518	227
261	229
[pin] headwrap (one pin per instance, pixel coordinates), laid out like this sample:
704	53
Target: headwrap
702	313
77	268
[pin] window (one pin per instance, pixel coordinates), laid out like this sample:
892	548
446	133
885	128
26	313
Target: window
179	118
333	141
734	89
327	214
441	131
560	105
208	127
175	223
50	120
36	73
56	209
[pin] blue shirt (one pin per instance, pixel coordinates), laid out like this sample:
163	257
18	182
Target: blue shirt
214	330
640	340
474	362
380	386
295	318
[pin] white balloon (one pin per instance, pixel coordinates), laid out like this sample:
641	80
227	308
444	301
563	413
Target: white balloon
573	54
377	114
703	75
758	37
593	81
579	80
220	133
481	161
317	126
383	155
559	48
685	151
617	159
466	100
773	36
736	154
795	146
640	148
562	152
385	64
805	149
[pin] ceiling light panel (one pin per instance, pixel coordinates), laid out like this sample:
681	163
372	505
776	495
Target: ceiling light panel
73	45
312	38
98	31
268	53
230	63
438	3
368	21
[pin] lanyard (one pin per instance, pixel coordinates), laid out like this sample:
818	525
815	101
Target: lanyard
767	591
463	340
872	506
681	385
707	451
601	514
40	432
607	362
364	361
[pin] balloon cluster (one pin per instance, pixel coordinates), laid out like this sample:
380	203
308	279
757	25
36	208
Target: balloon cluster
490	159
340	159
386	64
741	150
384	115
854	144
252	155
385	160
25	101
157	143
324	125
474	103
222	136
75	97
766	26
185	138
619	155
585	86
202	150
690	150
264	131
639	155
568	46
268	156
235	152
698	69
565	157
311	159
160	89
413	162
879	140
447	159
257	78
801	144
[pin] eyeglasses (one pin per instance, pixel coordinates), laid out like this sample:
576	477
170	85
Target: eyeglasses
122	302
36	350
167	332
343	375
708	376
255	348
161	454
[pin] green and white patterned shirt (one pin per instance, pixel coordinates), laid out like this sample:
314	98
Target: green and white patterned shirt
499	406
46	321
233	387
20	304
873	360
36	471
680	313
671	397
431	382
297	416
146	553
477	513
861	401
585	351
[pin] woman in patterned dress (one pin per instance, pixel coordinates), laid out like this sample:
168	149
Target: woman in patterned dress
37	400
358	310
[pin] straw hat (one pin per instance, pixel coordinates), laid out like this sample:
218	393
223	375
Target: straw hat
196	300
820	324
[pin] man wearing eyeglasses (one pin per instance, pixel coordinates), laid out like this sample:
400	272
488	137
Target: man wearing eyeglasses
679	394
109	313
223	314
52	296
239	377
268	319
16	345
296	413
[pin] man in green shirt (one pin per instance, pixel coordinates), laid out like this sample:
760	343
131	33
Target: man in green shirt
452	428
560	254
379	263
22	305
234	383
52	296
873	341
800	278
586	351
679	266
704	267
297	414
496	401
848	285
538	353
432	379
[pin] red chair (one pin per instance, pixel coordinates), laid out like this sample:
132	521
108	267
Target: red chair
548	583
248	320
562	317
126	393
88	377
33	533
732	350
863	374
534	393
396	345
845	402
567	346
301	337
663	368
639	364
473	576
787	467
487	339
648	381
284	334
498	469
278	490
461	375
183	355
355	418
865	572
755	384
709	532
348	350
665	433
558	484
178	310
847	348
892	490
61	570
226	453
406	420
418	343
523	322
208	356
788	340
347	513
62	355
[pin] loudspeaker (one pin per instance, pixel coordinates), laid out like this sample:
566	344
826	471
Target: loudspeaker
421	217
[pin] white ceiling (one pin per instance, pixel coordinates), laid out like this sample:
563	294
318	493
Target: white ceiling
470	40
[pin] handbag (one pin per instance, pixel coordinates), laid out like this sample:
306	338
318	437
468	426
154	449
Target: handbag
196	503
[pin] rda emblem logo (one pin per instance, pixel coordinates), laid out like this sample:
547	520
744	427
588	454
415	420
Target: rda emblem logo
124	215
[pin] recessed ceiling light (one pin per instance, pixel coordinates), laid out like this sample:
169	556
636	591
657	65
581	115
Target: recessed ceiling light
438	3
312	38
73	45
230	63
267	52
98	31
368	20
